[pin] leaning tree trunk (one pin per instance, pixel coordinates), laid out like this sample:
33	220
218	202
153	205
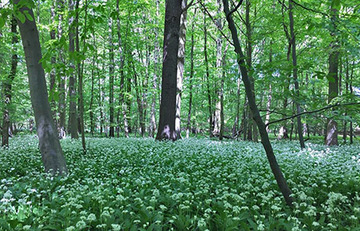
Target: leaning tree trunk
7	85
51	152
166	129
285	190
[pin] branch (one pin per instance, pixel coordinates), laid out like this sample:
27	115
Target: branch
187	6
212	18
311	112
309	9
235	9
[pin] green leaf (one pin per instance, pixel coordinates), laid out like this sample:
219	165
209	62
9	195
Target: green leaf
28	16
335	4
20	16
2	22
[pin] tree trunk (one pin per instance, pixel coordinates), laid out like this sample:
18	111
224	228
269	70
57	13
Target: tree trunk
222	119
152	127
295	76
235	130
62	79
53	71
211	124
285	190
7	85
111	80
51	152
81	74
166	129
139	102
73	123
188	124
122	77
331	132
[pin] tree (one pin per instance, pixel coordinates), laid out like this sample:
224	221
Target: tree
284	188
7	85
333	77
51	152
166	128
73	123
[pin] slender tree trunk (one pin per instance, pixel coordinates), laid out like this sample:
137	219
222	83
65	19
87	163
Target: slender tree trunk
346	92
180	67
222	119
285	190
111	80
166	129
53	71
268	105
122	76
152	127
81	74
211	124
7	86
73	124
91	109
331	131
295	75
61	77
139	102
51	152
235	130
188	124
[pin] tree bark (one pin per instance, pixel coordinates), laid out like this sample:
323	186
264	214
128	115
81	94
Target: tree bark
7	86
331	131
211	122
284	188
166	129
188	124
295	74
122	77
73	123
180	66
51	152
111	80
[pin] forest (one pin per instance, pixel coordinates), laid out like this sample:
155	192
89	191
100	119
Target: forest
179	115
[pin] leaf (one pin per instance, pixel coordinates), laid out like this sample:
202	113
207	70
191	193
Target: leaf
335	4
28	16
2	22
20	16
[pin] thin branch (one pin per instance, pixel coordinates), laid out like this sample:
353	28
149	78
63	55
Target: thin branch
235	9
187	6
311	112
309	9
212	18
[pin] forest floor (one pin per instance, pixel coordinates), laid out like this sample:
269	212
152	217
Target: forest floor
191	184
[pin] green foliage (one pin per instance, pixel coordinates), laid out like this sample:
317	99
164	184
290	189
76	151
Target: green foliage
139	184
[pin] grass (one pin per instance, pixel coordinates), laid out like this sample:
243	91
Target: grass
194	184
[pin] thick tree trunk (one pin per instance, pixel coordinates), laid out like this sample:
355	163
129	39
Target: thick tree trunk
51	152
285	190
295	76
331	132
7	85
73	123
166	129
180	67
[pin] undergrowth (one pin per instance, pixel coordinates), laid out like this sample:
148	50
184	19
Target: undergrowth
191	184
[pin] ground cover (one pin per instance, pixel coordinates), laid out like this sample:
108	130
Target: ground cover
191	184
